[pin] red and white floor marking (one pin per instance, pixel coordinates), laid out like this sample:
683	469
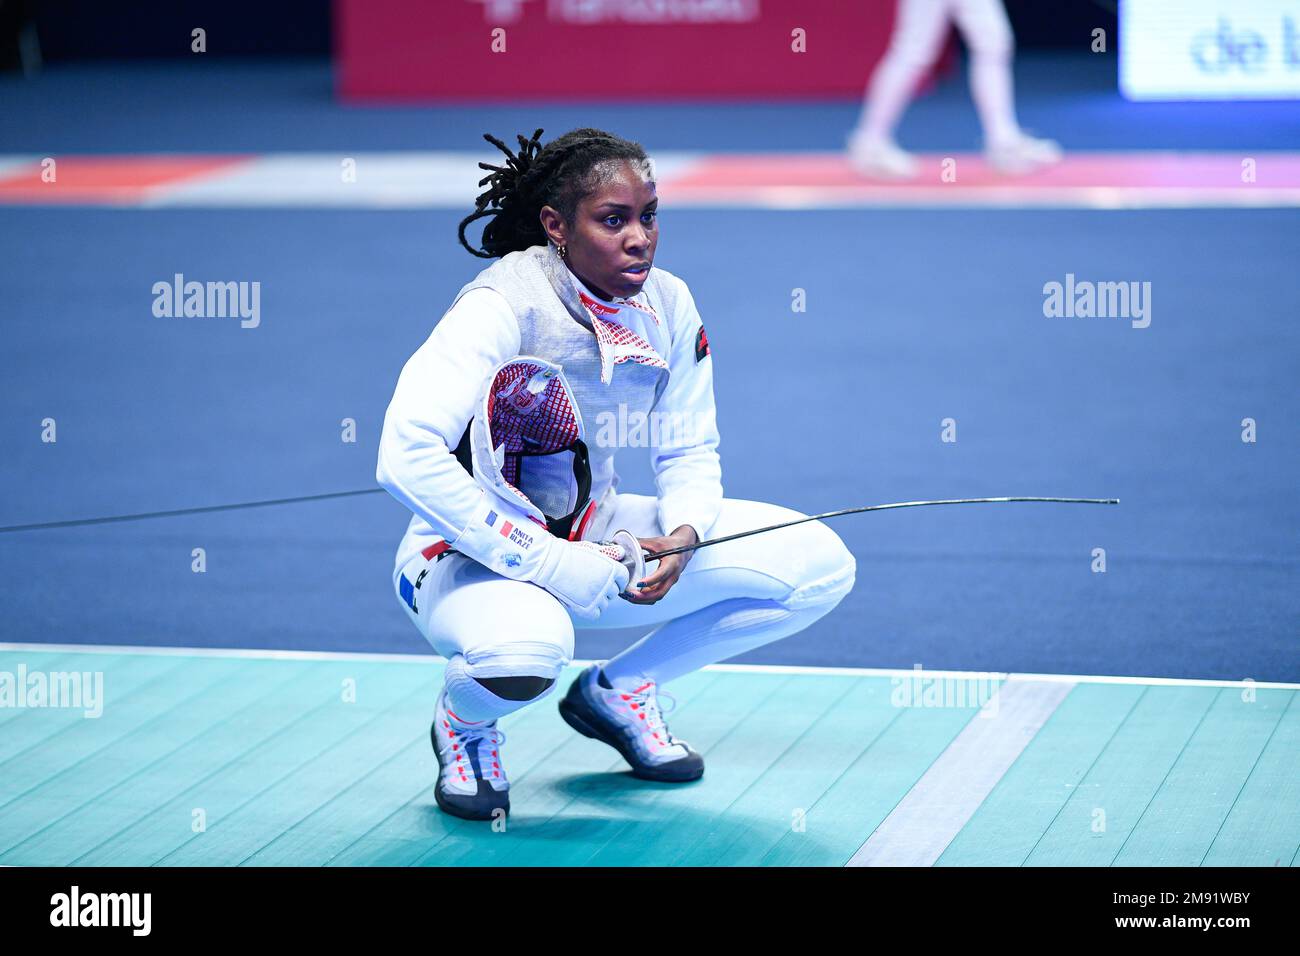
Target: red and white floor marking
449	180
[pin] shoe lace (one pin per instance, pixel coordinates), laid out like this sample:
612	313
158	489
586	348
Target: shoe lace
468	736
645	700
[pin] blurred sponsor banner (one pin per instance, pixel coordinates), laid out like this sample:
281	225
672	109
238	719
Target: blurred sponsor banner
1209	49
607	49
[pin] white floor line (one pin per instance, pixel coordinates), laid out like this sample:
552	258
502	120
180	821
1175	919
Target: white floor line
933	812
290	655
969	675
251	652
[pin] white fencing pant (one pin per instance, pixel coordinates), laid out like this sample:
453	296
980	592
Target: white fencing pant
731	598
919	30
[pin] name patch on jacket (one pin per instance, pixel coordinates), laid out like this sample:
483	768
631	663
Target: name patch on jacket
510	532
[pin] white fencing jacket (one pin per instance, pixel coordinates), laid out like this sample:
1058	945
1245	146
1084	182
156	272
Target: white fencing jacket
640	369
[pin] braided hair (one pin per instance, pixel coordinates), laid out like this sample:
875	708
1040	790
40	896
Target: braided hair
560	174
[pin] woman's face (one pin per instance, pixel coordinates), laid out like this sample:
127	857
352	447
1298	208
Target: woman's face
611	244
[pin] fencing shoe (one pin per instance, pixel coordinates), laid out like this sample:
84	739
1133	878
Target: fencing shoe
1023	154
881	158
471	783
629	721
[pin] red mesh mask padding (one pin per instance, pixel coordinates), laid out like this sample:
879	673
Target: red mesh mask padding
534	432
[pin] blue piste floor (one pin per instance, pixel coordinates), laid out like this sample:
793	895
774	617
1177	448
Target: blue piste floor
913	317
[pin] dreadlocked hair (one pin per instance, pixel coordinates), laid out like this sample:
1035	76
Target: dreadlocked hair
560	174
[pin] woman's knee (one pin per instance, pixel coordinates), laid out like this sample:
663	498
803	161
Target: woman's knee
824	569
530	637
512	655
491	683
804	565
526	687
533	657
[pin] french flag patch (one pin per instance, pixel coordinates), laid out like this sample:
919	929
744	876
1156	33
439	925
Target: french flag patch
506	526
407	590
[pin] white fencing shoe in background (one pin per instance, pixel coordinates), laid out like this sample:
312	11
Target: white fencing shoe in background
1023	154
881	158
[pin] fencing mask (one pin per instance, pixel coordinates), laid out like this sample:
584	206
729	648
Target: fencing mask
525	446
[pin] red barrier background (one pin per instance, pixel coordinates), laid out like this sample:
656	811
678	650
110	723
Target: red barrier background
632	50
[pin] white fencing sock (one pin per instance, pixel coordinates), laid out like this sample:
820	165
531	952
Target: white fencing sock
707	636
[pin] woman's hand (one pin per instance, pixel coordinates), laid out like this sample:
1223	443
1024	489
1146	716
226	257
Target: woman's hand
655	585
